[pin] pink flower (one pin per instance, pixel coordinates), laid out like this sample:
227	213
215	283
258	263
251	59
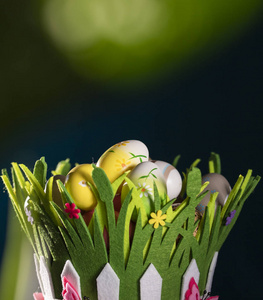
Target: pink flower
69	293
72	211
193	292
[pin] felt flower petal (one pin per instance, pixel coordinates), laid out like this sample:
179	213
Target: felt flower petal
71	276
38	296
191	272
193	292
69	293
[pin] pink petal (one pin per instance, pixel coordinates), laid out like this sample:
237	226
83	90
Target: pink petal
69	293
67	205
193	292
38	296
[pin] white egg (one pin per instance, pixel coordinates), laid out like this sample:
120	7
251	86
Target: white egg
172	177
144	176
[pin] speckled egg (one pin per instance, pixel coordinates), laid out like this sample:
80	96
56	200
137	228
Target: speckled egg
77	186
123	157
144	176
217	183
172	177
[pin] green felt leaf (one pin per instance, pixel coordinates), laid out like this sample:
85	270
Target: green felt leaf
173	214
253	182
20	192
136	202
204	185
65	195
215	231
214	163
38	189
18	211
211	208
123	229
232	195
63	167
106	195
68	226
21	196
103	185
157	200
37	241
141	237
245	182
176	160
99	243
40	171
204	231
4	172
44	246
11	194
166	206
195	163
18	174
154	245
68	242
194	180
48	191
50	233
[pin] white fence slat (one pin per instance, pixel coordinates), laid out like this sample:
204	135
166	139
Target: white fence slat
108	284
192	271
211	273
151	284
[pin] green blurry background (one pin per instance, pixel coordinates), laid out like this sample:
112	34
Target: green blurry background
185	77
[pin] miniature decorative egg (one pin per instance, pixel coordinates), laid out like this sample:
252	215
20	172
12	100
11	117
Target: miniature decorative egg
172	177
77	185
144	176
217	183
123	157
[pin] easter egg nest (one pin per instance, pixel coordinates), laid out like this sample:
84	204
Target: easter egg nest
165	254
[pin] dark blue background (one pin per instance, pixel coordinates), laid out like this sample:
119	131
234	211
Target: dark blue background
214	104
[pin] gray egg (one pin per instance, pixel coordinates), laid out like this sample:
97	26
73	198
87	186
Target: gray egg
217	183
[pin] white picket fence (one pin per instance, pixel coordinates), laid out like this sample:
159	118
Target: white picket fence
108	283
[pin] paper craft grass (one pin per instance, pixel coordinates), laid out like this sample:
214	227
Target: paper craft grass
165	252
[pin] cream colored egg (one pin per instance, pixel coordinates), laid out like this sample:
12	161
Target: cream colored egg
144	176
172	177
123	157
77	186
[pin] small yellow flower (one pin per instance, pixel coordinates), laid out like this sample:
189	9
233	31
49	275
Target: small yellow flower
157	219
121	164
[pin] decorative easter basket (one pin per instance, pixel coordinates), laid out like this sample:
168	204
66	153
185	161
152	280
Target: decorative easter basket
171	254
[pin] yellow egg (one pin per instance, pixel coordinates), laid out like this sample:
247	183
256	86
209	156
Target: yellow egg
123	157
77	186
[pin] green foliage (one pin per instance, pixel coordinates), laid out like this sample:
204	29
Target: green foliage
170	248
